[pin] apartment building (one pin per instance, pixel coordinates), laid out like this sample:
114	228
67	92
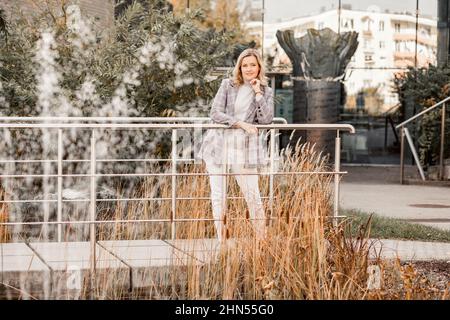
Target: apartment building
387	44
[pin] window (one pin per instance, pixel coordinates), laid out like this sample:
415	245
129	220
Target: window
368	58
347	23
397	27
381	26
382	45
368	25
425	32
407	46
397	46
367	44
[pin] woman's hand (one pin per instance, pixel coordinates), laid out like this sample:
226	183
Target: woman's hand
256	85
247	127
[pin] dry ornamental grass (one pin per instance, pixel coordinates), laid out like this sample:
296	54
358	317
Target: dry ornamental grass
302	256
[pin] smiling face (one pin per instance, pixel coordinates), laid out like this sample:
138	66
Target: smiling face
249	68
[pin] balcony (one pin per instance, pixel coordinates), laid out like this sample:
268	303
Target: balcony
367	33
405	59
412	37
403	55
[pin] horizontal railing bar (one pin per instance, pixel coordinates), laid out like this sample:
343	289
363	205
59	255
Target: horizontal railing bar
145	220
166	174
100	160
421	113
80	222
108	119
28	201
119	119
115	221
117	199
341	127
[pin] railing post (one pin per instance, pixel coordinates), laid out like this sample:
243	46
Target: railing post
402	154
174	184
224	186
272	169
93	201
441	154
414	153
59	209
337	168
385	130
47	168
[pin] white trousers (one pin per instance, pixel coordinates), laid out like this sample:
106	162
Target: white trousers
250	189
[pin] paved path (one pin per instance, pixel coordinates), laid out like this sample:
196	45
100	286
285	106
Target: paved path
376	190
422	204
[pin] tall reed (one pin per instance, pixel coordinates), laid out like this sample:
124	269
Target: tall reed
304	255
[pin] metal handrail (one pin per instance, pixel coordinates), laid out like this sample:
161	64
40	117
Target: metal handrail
183	174
334	127
422	113
93	175
118	119
405	133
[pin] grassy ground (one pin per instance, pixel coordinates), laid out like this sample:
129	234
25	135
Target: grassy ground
391	228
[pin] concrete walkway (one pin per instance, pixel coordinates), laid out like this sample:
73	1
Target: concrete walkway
377	190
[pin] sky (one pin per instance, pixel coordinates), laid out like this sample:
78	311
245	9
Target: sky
288	9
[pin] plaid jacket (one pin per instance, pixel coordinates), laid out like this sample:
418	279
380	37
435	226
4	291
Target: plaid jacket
222	111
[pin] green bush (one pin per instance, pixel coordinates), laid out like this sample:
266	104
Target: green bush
174	79
425	87
149	62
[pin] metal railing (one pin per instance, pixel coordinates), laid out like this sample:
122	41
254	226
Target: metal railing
173	124
405	133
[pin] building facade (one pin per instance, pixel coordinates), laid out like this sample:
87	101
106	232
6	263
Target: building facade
387	45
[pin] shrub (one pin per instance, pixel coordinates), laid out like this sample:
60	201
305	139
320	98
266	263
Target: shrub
425	87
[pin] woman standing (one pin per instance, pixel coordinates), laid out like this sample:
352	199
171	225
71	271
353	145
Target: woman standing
241	102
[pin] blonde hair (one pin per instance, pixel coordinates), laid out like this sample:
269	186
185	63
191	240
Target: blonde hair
237	72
